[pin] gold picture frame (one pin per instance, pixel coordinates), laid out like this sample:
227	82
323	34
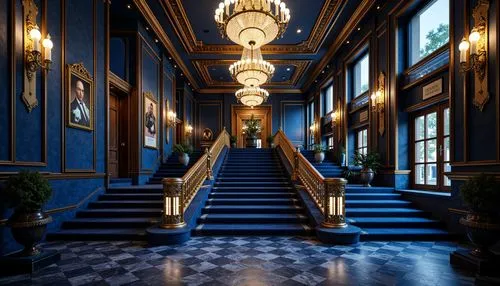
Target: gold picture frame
150	120
79	97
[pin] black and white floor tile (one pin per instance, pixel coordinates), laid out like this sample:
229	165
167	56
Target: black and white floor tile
249	261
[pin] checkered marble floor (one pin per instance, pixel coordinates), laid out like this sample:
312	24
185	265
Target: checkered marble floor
249	261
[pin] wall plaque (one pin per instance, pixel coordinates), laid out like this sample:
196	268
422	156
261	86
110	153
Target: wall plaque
432	89
363	116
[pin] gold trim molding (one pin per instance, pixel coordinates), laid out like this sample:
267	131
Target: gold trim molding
202	67
182	26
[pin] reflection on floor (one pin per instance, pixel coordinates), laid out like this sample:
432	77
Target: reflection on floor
249	261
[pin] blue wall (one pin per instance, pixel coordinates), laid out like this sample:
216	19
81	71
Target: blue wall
74	159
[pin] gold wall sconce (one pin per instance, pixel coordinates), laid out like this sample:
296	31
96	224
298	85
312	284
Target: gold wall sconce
474	53
171	119
33	59
335	118
188	129
313	129
378	102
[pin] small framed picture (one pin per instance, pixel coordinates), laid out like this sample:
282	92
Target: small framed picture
150	108
80	97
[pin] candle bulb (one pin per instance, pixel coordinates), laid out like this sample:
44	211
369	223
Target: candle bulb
35	37
473	39
48	45
227	2
277	5
463	47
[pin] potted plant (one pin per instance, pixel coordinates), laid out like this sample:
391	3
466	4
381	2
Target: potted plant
270	141
233	140
252	128
370	163
27	192
183	151
482	196
319	153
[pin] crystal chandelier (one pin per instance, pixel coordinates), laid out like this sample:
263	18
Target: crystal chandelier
252	69
252	22
252	96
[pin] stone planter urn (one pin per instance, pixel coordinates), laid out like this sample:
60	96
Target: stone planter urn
184	159
28	228
366	176
319	157
251	142
483	231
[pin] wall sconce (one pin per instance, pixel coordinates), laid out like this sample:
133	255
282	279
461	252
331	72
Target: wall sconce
189	130
171	119
335	118
378	102
313	129
334	204
173	206
477	59
33	59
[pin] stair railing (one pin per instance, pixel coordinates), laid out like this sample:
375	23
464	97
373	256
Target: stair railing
179	192
327	193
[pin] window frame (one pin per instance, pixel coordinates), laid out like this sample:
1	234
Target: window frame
440	150
407	38
364	52
310	120
357	147
324	94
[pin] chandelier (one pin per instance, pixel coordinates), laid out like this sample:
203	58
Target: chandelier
252	69
252	96
252	23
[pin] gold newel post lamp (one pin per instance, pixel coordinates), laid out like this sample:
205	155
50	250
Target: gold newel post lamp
334	204
173	208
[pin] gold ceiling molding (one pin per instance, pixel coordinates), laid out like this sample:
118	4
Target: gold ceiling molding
350	26
179	19
148	15
202	67
231	91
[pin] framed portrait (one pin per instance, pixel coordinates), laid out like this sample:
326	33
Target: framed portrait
150	123
80	97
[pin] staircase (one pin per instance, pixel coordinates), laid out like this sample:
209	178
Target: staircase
123	212
173	169
328	168
252	195
382	213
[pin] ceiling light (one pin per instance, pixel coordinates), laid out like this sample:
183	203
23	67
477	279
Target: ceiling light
378	7
129	6
299	31
156	40
252	96
359	29
347	42
147	28
250	21
252	69
288	69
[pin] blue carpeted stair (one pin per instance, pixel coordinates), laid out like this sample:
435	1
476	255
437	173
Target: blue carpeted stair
382	213
252	196
123	212
173	169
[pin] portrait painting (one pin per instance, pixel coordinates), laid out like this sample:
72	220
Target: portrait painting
207	134
80	97
150	117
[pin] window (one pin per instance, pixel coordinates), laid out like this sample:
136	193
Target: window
431	148
327	97
330	143
310	120
428	30
360	73
362	141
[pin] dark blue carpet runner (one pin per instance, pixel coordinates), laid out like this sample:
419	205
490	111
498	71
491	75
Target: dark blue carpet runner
382	213
252	196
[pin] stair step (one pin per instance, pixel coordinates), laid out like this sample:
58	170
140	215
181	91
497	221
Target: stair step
246	195
110	222
137	190
252	218
250	184
383	212
376	203
252	201
130	196
252	209
252	189
126	204
99	234
374	196
251	179
252	229
394	222
120	212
